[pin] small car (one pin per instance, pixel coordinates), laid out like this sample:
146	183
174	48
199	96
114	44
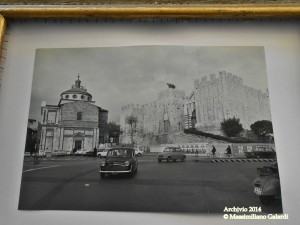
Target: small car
27	154
89	153
171	154
119	160
267	184
138	152
42	153
102	152
80	151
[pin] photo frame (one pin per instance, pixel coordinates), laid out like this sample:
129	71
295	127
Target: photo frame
144	9
181	11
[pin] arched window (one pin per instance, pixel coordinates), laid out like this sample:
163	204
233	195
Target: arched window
79	116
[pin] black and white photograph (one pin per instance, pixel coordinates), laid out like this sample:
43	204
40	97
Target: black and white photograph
158	128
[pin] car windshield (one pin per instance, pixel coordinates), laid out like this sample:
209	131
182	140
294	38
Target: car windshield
120	153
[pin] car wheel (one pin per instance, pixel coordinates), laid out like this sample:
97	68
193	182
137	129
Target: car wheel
174	160
102	175
159	160
139	154
99	156
169	159
266	199
183	158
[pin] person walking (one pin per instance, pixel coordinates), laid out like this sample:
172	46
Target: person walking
213	150
228	150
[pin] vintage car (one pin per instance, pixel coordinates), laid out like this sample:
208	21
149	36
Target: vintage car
171	154
138	152
27	154
81	151
42	153
102	152
89	153
119	160
261	152
267	184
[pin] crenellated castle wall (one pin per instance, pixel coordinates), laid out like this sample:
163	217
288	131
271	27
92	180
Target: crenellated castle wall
213	99
165	115
225	96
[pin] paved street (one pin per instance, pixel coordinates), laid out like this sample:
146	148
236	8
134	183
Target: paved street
73	183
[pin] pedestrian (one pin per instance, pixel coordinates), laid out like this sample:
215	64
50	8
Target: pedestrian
228	150
95	151
213	150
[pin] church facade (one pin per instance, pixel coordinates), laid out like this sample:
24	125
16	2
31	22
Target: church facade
74	123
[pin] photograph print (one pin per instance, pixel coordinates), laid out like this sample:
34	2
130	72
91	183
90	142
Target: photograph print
184	129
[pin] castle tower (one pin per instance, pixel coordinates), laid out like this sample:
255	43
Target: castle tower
223	97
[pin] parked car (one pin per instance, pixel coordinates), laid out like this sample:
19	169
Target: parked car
267	184
261	154
89	153
42	153
27	154
102	152
138	152
119	160
80	151
171	154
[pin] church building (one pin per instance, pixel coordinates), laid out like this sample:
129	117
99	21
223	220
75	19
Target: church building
74	123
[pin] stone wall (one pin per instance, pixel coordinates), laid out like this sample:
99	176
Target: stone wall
213	99
165	115
226	96
89	112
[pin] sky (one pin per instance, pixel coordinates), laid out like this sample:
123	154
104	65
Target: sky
117	76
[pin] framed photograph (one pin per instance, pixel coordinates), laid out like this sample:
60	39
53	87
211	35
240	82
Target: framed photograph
158	113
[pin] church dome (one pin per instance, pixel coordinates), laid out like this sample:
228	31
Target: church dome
76	93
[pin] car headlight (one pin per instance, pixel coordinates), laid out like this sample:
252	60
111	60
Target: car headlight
127	163
102	163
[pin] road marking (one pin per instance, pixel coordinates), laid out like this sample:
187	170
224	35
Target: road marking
87	185
242	160
40	168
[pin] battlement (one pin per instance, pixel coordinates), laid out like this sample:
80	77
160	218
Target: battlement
222	77
255	92
149	105
130	106
171	93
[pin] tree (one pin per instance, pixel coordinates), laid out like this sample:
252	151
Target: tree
232	127
113	132
132	121
113	129
262	128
